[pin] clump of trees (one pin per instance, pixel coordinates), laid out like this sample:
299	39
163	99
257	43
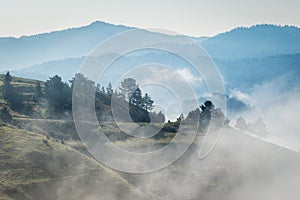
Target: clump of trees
13	98
206	114
258	127
131	92
58	94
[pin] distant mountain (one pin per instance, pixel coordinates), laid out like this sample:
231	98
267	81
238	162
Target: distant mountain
237	73
256	41
66	68
74	42
247	72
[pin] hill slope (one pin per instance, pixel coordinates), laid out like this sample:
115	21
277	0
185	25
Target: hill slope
33	167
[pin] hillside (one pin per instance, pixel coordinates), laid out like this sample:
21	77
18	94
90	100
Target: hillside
33	167
41	159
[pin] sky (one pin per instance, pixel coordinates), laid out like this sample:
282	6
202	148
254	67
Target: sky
189	17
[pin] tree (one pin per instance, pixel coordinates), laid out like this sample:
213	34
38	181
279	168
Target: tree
10	95
147	102
193	115
7	86
128	86
206	109
259	128
136	98
219	118
180	118
241	124
157	117
58	95
5	115
109	89
38	90
98	88
102	90
161	117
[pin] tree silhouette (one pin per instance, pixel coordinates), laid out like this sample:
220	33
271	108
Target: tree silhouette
58	94
109	89
7	86
147	102
14	98
259	128
38	90
241	124
5	115
136	98
206	109
128	86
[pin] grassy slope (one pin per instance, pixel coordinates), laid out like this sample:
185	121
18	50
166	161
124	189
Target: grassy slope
32	169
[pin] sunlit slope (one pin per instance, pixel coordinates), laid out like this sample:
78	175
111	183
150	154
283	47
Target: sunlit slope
32	167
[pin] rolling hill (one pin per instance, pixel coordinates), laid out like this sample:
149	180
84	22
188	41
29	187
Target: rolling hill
33	167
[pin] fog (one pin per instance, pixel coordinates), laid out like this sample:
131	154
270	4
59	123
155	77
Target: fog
277	103
241	166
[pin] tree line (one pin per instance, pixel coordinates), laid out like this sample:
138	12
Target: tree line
57	96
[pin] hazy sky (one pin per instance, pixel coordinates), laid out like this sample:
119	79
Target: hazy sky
191	17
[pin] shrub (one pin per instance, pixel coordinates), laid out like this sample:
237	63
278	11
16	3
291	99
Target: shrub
5	115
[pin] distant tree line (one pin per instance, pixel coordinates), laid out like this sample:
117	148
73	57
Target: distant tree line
258	127
206	114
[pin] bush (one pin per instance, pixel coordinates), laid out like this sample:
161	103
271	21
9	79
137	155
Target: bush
5	115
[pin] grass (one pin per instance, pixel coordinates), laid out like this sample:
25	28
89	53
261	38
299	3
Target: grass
30	160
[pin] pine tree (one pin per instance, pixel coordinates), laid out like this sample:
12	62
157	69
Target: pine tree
102	90
128	86
136	98
147	102
10	95
5	115
38	90
7	88
109	89
56	93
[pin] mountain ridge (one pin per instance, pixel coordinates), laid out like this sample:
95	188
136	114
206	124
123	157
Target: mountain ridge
255	41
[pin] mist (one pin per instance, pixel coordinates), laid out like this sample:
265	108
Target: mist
277	103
